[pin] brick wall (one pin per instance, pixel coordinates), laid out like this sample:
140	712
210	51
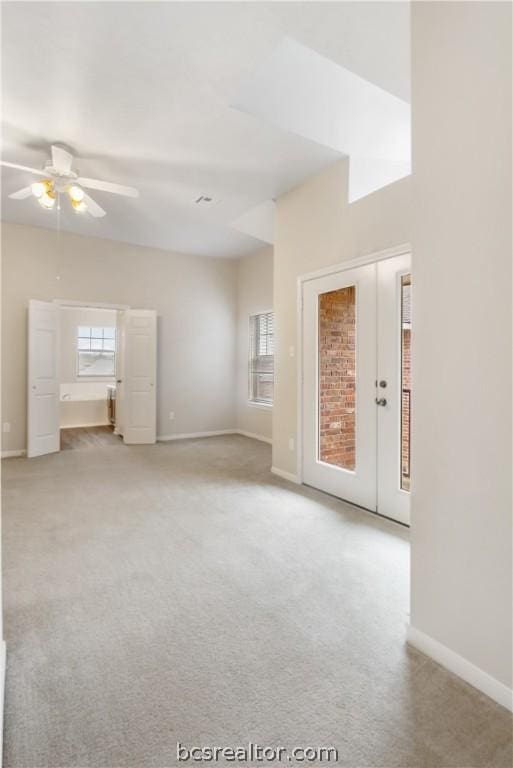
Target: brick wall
406	409
337	363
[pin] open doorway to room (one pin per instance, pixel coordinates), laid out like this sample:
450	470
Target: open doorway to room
91	375
88	358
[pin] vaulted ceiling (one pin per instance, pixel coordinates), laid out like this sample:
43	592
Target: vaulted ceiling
145	94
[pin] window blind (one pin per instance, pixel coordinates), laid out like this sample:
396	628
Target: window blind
261	358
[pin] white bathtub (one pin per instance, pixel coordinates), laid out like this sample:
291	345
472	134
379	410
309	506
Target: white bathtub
84	404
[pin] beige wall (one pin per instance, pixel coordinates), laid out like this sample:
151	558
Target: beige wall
195	299
315	228
462	345
255	294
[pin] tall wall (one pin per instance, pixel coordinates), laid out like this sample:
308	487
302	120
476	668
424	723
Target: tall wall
316	227
462	342
255	295
196	303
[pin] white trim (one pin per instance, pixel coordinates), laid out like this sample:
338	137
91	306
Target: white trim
299	377
341	266
85	426
461	667
257	404
89	304
191	435
167	438
359	261
254	313
14	454
286	475
215	433
254	436
3	659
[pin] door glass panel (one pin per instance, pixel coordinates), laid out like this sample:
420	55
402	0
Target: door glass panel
405	380
337	377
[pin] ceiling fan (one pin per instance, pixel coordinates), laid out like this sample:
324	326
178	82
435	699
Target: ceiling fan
59	179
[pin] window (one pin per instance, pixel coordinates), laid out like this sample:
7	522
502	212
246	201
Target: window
96	348
261	358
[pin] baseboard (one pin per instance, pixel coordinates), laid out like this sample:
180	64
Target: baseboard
190	435
3	658
254	436
87	426
461	667
286	475
13	454
163	438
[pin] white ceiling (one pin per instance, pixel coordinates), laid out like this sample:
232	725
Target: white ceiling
258	221
142	92
345	112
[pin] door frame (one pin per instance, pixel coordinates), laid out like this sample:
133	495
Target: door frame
63	303
342	266
89	304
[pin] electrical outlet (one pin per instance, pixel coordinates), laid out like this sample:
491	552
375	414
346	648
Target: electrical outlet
291	443
292	352
171	415
6	426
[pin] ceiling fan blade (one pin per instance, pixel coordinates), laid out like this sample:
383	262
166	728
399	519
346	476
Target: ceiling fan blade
37	171
21	194
93	207
108	186
61	159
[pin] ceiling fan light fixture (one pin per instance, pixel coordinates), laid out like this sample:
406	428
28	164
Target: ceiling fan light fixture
79	206
47	199
58	178
76	193
39	188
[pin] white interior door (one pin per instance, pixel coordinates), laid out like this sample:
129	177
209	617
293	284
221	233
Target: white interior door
139	376
394	387
339	373
43	407
120	369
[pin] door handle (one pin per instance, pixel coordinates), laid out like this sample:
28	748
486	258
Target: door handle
381	401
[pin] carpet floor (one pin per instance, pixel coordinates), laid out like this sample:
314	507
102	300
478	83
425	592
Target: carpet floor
180	592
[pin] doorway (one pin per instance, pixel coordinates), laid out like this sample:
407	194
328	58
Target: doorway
356	384
89	350
90	366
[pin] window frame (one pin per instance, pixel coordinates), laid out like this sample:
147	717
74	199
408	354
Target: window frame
113	352
253	342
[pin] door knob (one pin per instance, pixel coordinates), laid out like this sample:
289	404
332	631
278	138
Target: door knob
382	383
381	401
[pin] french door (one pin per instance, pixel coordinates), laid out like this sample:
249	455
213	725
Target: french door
356	327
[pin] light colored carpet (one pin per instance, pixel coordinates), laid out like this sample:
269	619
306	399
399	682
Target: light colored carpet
181	592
